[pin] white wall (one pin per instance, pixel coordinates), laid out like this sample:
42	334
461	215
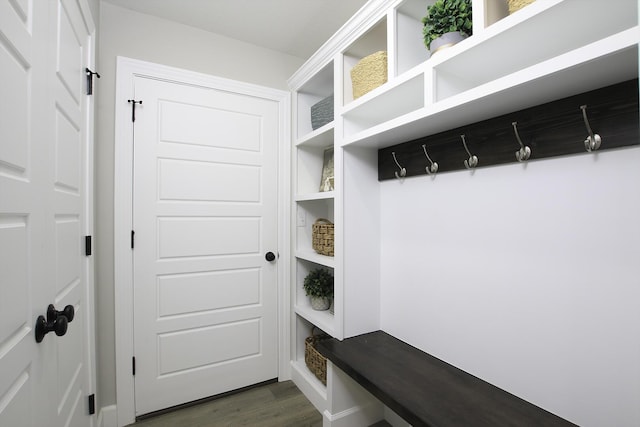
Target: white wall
525	276
139	36
94	6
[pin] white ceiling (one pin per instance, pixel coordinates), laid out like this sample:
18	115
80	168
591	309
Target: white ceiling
295	27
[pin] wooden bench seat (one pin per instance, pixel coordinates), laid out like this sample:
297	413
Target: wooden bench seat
426	391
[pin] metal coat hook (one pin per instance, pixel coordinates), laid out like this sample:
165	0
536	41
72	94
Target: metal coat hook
593	141
433	167
403	171
524	152
472	161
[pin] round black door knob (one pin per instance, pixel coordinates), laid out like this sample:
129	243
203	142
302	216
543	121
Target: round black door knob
59	326
270	256
68	312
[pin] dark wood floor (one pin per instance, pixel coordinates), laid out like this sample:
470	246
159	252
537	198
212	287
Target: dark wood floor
271	405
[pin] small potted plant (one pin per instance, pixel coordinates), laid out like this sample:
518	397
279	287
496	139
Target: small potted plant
447	22
318	285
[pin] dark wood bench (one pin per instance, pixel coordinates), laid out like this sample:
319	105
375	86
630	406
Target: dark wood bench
426	391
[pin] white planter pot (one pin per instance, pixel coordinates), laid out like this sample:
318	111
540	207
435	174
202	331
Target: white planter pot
446	40
320	303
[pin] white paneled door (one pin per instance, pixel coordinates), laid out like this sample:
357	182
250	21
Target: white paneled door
45	143
205	207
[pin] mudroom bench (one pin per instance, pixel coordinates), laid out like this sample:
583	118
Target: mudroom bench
424	390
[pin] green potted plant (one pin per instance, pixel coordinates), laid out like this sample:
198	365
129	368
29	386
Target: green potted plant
447	22
318	285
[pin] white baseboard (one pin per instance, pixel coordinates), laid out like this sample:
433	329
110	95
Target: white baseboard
108	417
355	416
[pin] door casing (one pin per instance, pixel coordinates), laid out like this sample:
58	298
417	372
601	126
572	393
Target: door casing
127	70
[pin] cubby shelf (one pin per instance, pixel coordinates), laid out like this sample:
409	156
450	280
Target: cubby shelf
321	137
322	319
548	50
315	196
311	256
313	389
574	72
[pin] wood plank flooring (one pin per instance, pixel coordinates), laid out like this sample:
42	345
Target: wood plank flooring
270	405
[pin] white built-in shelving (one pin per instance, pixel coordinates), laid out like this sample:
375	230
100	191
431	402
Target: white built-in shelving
548	50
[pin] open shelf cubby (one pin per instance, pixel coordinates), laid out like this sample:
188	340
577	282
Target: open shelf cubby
319	87
371	42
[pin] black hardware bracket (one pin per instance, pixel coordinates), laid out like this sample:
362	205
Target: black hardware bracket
90	75
92	404
133	103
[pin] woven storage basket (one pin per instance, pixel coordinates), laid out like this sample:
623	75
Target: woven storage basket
322	113
322	236
316	362
515	5
369	73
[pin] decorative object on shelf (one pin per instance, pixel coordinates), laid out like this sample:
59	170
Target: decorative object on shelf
403	171
322	112
523	154
593	141
316	362
369	73
318	286
552	129
322	233
472	161
433	166
515	5
447	22
327	178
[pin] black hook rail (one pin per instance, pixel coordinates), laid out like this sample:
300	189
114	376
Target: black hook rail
553	129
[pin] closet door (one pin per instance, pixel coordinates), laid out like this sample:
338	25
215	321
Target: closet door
44	143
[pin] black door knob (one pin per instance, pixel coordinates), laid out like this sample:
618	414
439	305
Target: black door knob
59	326
269	256
68	312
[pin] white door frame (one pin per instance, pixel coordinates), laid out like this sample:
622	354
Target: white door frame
127	70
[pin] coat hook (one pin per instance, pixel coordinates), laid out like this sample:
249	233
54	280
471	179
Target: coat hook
593	141
472	161
403	171
433	167
524	152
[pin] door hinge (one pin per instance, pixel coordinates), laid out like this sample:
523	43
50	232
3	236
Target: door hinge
133	365
87	245
133	234
92	404
90	75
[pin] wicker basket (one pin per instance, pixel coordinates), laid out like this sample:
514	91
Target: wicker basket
316	362
515	5
369	73
322	236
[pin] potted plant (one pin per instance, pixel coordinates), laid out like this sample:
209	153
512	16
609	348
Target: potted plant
447	22
318	285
